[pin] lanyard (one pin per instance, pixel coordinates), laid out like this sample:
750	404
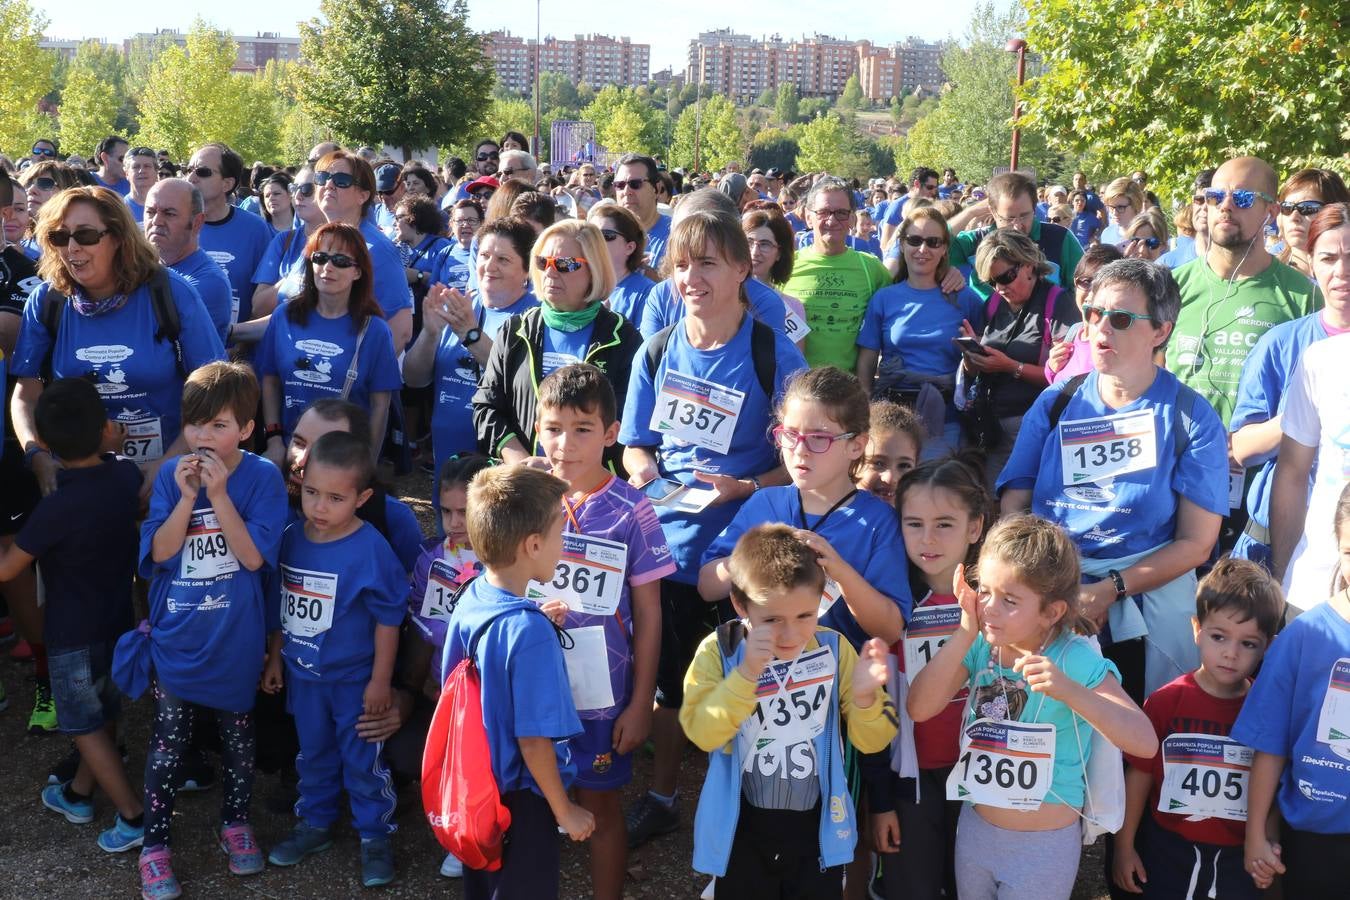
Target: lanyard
820	523
571	511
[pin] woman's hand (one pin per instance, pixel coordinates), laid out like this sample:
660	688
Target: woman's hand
991	361
448	306
1095	600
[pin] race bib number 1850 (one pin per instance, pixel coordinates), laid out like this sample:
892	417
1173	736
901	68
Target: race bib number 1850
307	600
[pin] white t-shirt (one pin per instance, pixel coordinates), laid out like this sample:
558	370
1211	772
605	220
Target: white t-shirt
1317	414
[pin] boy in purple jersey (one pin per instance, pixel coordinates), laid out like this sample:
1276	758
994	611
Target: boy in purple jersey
606	591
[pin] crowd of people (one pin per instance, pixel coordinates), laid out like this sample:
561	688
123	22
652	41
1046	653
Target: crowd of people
957	523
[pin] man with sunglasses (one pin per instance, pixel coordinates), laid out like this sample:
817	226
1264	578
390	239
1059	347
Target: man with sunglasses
142	173
43	148
635	189
112	150
174	216
923	182
483	164
1232	296
520	165
1185	248
235	238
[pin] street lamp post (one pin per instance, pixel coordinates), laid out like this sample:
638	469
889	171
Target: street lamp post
1018	46
538	51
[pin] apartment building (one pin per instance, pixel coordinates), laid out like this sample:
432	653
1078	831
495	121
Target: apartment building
902	68
593	59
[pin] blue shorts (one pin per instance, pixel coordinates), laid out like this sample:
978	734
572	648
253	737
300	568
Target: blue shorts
599	766
82	686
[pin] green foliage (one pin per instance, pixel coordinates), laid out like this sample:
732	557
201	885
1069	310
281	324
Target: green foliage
829	144
624	123
773	148
501	116
1173	86
767	97
556	91
88	112
720	139
852	97
786	105
811	107
410	73
188	99
28	75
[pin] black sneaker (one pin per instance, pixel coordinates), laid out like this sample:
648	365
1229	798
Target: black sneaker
649	818
64	771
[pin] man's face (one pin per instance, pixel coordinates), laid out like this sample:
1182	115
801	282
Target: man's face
830	216
758	183
1015	211
486	157
634	190
43	150
169	222
1140	178
1079	181
112	160
1231	227
204	172
142	171
926	187
309	429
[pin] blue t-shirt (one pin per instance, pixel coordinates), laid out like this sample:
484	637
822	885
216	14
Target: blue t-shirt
1307	665
211	284
563	348
523	677
914	328
1126	513
136	375
664	306
312	360
30	248
1265	376
120	187
423	256
895	213
657	237
84	536
1079	660
1085	226
137	209
403	533
390	282
1182	253
455	377
799	225
207	635
749	452
865	532
1113	234
630	297
1043	212
284	259
329	598
237	243
251	204
451	266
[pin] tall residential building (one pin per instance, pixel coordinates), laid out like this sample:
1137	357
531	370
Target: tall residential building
254	50
594	59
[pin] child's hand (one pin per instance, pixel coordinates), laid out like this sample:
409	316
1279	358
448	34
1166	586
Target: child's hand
187	475
377	698
869	673
1060	353
728	487
1044	677
577	822
214	474
758	653
272	678
555	610
1127	870
632	727
968	600
1261	858
826	555
886	832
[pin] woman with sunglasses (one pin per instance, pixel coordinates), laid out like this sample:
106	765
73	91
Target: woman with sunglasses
625	242
572	276
42	181
346	191
1023	317
281	271
331	340
1132	464
459	330
98	266
907	345
1260	425
1300	200
276	206
1146	235
1073	354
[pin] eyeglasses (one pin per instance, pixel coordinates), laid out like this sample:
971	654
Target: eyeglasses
507	173
1198	200
563	264
633	184
339	179
1242	198
913	240
85	236
1305	208
1056	220
42	151
838	215
1006	277
1120	319
1151	243
1119	207
816	441
384	193
202	171
341	260
471	221
610	235
1083	284
484	157
1005	221
43	183
303	190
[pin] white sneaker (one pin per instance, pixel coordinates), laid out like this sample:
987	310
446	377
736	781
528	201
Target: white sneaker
708	891
452	867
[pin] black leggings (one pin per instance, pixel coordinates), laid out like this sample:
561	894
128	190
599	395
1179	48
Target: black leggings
171	737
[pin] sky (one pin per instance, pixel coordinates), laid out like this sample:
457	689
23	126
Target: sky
880	23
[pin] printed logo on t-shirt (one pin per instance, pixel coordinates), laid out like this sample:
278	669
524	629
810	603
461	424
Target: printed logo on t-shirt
316	366
112	379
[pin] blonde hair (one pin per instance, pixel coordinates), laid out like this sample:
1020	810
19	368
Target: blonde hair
768	560
1154	219
593	250
135	258
1044	559
1124	187
1014	248
506	505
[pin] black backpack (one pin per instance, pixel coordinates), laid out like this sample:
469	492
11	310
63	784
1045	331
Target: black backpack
762	353
168	326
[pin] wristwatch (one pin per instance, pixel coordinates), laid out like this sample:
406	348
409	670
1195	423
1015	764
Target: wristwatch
421	276
1119	581
472	337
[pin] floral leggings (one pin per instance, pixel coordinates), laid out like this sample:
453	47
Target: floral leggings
172	736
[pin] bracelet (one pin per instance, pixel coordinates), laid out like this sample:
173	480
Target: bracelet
1017	373
31	451
1119	581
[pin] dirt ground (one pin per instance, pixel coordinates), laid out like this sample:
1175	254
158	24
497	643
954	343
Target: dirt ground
43	856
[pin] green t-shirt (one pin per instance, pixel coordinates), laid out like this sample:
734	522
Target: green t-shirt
1060	247
1219	324
835	290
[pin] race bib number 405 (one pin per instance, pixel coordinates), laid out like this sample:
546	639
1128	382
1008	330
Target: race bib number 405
1204	776
697	411
589	576
1094	450
206	556
307	600
1004	764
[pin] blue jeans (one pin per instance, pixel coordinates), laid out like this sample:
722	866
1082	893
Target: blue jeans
82	686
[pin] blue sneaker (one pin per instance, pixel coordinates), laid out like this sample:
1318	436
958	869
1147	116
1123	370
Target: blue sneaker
377	861
303	841
121	837
80	812
451	867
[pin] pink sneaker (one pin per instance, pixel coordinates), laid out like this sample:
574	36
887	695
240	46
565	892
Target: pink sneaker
157	881
238	843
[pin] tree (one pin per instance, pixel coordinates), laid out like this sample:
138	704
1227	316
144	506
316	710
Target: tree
556	91
28	75
828	144
767	97
624	123
88	112
106	63
1175	87
410	73
811	107
785	106
852	97
772	148
500	117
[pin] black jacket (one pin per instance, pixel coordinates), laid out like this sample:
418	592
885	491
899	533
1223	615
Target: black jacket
504	406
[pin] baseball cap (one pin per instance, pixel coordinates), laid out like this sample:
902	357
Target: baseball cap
386	178
734	185
485	182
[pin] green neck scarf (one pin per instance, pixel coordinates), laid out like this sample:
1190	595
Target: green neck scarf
569	321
